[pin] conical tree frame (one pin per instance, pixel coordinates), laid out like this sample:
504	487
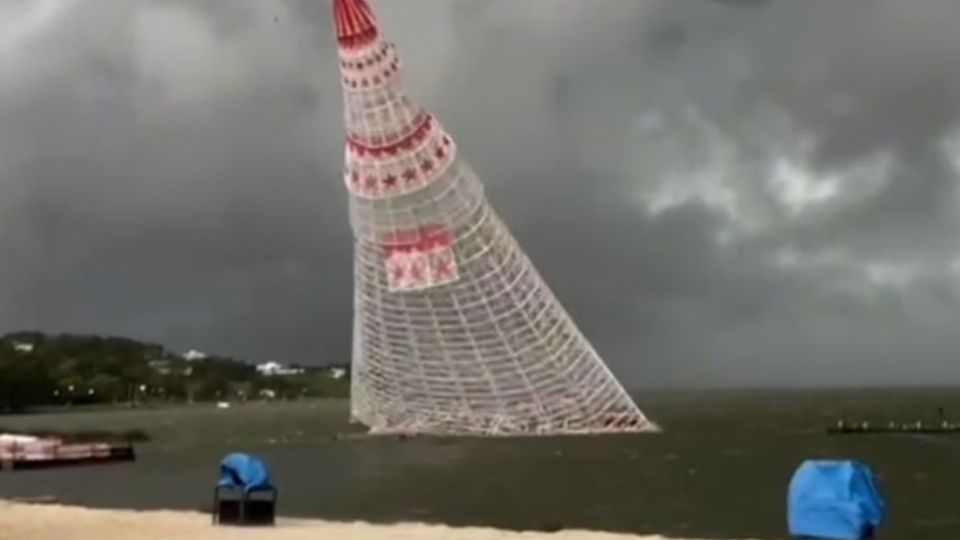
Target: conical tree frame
455	331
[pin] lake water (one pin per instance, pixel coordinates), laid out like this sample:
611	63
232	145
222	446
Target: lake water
719	470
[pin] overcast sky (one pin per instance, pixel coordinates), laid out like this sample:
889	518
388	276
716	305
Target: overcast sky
732	192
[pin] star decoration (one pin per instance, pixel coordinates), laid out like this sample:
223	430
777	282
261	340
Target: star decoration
416	271
443	269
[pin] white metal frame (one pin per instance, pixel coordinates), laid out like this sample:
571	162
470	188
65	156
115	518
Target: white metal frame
493	353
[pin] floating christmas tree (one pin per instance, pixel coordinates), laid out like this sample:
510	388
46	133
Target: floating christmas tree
455	332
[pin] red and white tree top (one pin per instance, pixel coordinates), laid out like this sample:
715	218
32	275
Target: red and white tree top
354	22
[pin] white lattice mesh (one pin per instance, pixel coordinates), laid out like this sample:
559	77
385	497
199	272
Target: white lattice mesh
455	332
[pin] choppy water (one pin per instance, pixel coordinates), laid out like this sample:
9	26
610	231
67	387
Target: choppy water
720	469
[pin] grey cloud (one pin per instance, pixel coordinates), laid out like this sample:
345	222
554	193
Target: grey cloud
170	170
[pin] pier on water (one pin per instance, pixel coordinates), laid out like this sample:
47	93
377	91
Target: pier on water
19	452
942	426
845	427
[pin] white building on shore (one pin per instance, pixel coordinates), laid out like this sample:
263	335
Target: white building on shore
194	355
273	369
23	347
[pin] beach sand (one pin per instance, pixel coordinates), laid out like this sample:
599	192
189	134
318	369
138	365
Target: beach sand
52	522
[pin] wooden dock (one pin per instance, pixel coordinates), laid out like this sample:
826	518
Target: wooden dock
866	428
50	453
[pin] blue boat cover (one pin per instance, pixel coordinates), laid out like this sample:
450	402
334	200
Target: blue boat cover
834	500
245	472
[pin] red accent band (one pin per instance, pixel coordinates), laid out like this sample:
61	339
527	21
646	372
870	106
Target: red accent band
424	125
417	240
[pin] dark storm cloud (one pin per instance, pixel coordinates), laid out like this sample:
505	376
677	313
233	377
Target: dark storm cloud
173	198
170	170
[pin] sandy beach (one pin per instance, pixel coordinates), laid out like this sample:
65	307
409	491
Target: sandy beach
53	522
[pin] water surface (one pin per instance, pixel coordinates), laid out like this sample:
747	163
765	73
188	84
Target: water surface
719	470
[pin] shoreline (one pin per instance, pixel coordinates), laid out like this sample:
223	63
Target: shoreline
23	521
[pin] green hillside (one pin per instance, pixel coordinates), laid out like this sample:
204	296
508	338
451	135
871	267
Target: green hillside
40	370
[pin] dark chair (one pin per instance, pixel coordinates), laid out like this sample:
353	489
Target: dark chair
244	495
236	506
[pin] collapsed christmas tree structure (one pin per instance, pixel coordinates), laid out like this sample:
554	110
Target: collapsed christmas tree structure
455	332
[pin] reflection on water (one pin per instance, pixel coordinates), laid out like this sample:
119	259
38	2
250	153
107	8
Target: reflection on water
720	469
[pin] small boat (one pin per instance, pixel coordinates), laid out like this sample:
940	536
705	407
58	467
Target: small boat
28	452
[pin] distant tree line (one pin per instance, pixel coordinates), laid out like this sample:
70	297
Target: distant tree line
39	370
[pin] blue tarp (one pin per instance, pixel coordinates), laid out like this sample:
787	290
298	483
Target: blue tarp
243	471
834	500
